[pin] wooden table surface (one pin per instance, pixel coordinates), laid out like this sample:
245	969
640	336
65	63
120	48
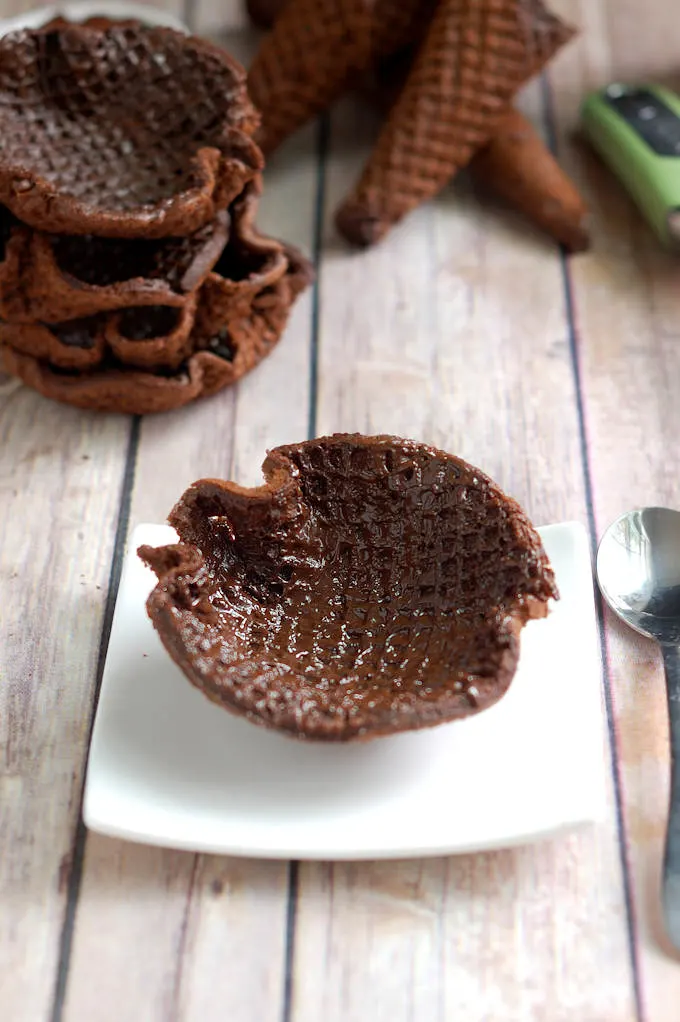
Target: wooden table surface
465	329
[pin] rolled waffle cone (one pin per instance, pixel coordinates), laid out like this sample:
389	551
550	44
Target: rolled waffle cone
516	165
313	52
64	277
264	13
125	131
474	58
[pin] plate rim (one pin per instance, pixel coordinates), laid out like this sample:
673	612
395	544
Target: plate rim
591	804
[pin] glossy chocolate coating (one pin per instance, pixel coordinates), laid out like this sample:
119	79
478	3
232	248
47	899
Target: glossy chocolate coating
121	130
373	585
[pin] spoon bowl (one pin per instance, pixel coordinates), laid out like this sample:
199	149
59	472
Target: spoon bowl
638	572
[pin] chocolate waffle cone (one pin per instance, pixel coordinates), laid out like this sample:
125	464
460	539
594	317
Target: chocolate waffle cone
313	52
516	165
264	13
474	58
71	276
372	585
127	131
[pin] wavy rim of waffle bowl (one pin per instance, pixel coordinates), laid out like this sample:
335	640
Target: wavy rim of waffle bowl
221	604
219	334
53	278
220	291
217	157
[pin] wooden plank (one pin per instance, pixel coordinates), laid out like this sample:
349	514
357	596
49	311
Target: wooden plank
212	929
60	482
454	332
163	934
628	316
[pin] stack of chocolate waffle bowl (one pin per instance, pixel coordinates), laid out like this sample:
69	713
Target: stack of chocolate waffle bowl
132	277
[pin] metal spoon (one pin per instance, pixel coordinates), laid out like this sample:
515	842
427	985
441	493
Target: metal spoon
638	571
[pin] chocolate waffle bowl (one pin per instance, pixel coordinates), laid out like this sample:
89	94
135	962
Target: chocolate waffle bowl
157	337
124	131
372	585
237	336
67	277
153	337
121	363
249	264
76	345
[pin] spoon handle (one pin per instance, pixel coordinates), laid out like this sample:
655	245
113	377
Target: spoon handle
671	874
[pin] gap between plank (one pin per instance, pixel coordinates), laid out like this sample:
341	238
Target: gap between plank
182	943
573	341
78	851
291	921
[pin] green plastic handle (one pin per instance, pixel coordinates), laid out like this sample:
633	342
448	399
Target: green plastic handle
653	180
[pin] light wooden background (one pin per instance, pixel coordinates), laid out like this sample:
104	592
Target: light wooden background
465	329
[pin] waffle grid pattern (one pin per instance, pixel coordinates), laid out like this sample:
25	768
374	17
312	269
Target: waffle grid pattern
387	590
474	59
296	74
114	122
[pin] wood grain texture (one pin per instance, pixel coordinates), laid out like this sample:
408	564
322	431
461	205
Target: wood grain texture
213	930
168	935
627	302
454	332
60	479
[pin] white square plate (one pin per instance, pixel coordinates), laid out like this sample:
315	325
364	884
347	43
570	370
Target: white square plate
168	767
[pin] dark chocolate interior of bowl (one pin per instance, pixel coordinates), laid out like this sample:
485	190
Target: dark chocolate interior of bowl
374	585
243	259
146	323
78	333
7	222
114	117
180	262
